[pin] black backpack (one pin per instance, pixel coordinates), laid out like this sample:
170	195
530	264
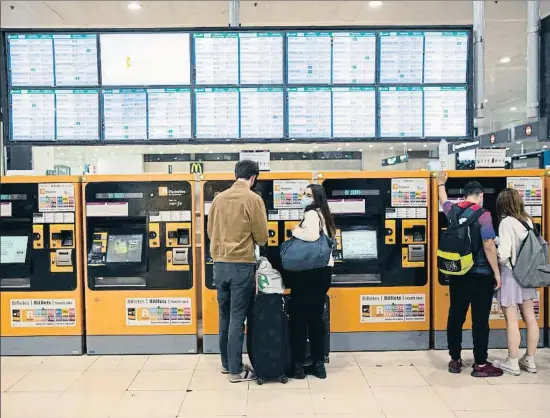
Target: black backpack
455	253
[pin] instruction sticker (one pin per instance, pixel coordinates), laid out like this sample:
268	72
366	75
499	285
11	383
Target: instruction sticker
56	197
5	209
529	188
34	313
409	192
496	311
393	308
158	311
287	194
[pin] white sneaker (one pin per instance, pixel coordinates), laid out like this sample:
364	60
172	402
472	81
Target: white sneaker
510	366
246	375
527	363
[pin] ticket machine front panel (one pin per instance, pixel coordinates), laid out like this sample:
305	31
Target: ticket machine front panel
530	185
40	274
140	277
380	284
281	193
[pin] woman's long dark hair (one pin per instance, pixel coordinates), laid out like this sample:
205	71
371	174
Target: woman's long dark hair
509	203
320	203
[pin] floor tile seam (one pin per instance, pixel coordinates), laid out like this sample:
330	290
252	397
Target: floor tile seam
16	382
500	388
186	392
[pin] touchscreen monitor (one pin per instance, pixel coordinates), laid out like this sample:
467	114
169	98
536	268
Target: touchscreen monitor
359	245
13	249
125	248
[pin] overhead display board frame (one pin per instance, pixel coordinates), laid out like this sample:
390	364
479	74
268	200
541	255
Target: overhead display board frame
286	86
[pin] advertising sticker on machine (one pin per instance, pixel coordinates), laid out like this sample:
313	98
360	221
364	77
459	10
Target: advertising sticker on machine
409	192
33	313
288	193
158	311
393	308
56	197
529	188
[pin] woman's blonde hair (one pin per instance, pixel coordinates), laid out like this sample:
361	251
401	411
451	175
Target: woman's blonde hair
509	203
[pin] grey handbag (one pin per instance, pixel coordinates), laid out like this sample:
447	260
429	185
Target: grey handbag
531	269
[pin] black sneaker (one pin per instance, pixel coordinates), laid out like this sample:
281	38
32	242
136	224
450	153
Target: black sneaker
298	372
455	366
318	370
486	370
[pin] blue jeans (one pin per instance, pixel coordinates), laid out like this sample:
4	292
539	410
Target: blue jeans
236	286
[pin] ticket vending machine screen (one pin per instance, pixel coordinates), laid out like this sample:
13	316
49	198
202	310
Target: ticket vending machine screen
125	248
13	249
359	245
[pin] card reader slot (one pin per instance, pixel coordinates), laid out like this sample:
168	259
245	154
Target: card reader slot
356	279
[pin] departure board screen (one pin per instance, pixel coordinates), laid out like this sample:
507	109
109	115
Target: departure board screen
75	59
445	57
401	55
169	113
125	114
30	60
400	112
217	112
309	112
261	57
32	114
309	57
145	59
353	57
77	114
445	111
354	112
216	58
262	112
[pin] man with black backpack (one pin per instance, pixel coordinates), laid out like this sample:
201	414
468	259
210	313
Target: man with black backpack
467	254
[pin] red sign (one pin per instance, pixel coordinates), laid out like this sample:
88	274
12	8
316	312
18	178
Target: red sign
528	130
492	138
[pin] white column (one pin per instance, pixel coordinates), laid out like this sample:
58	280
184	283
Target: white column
234	13
533	43
479	58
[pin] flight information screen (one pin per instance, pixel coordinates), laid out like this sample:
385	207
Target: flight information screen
354	112
309	112
216	58
353	57
217	112
400	112
77	114
445	111
32	114
401	55
262	112
30	60
445	57
75	59
309	57
145	59
169	113
261	57
125	114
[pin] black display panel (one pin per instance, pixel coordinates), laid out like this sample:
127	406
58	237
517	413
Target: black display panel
372	84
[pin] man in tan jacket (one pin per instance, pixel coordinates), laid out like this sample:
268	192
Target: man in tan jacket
237	222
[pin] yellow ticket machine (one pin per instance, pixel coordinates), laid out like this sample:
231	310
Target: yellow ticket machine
140	285
380	298
530	185
40	266
281	193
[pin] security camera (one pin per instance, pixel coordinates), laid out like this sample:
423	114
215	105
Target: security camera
12	7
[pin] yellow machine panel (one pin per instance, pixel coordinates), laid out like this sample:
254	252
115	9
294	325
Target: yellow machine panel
41	304
281	193
531	186
141	294
380	298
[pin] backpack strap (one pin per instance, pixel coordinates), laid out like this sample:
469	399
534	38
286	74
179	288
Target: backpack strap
456	217
527	226
474	217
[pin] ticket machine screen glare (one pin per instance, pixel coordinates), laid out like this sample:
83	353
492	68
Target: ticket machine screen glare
124	248
13	249
359	245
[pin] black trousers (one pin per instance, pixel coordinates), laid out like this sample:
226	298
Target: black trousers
307	300
476	290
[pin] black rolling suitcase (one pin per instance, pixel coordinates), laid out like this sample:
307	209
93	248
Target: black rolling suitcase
268	338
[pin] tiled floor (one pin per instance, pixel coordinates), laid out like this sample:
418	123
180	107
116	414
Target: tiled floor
366	385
